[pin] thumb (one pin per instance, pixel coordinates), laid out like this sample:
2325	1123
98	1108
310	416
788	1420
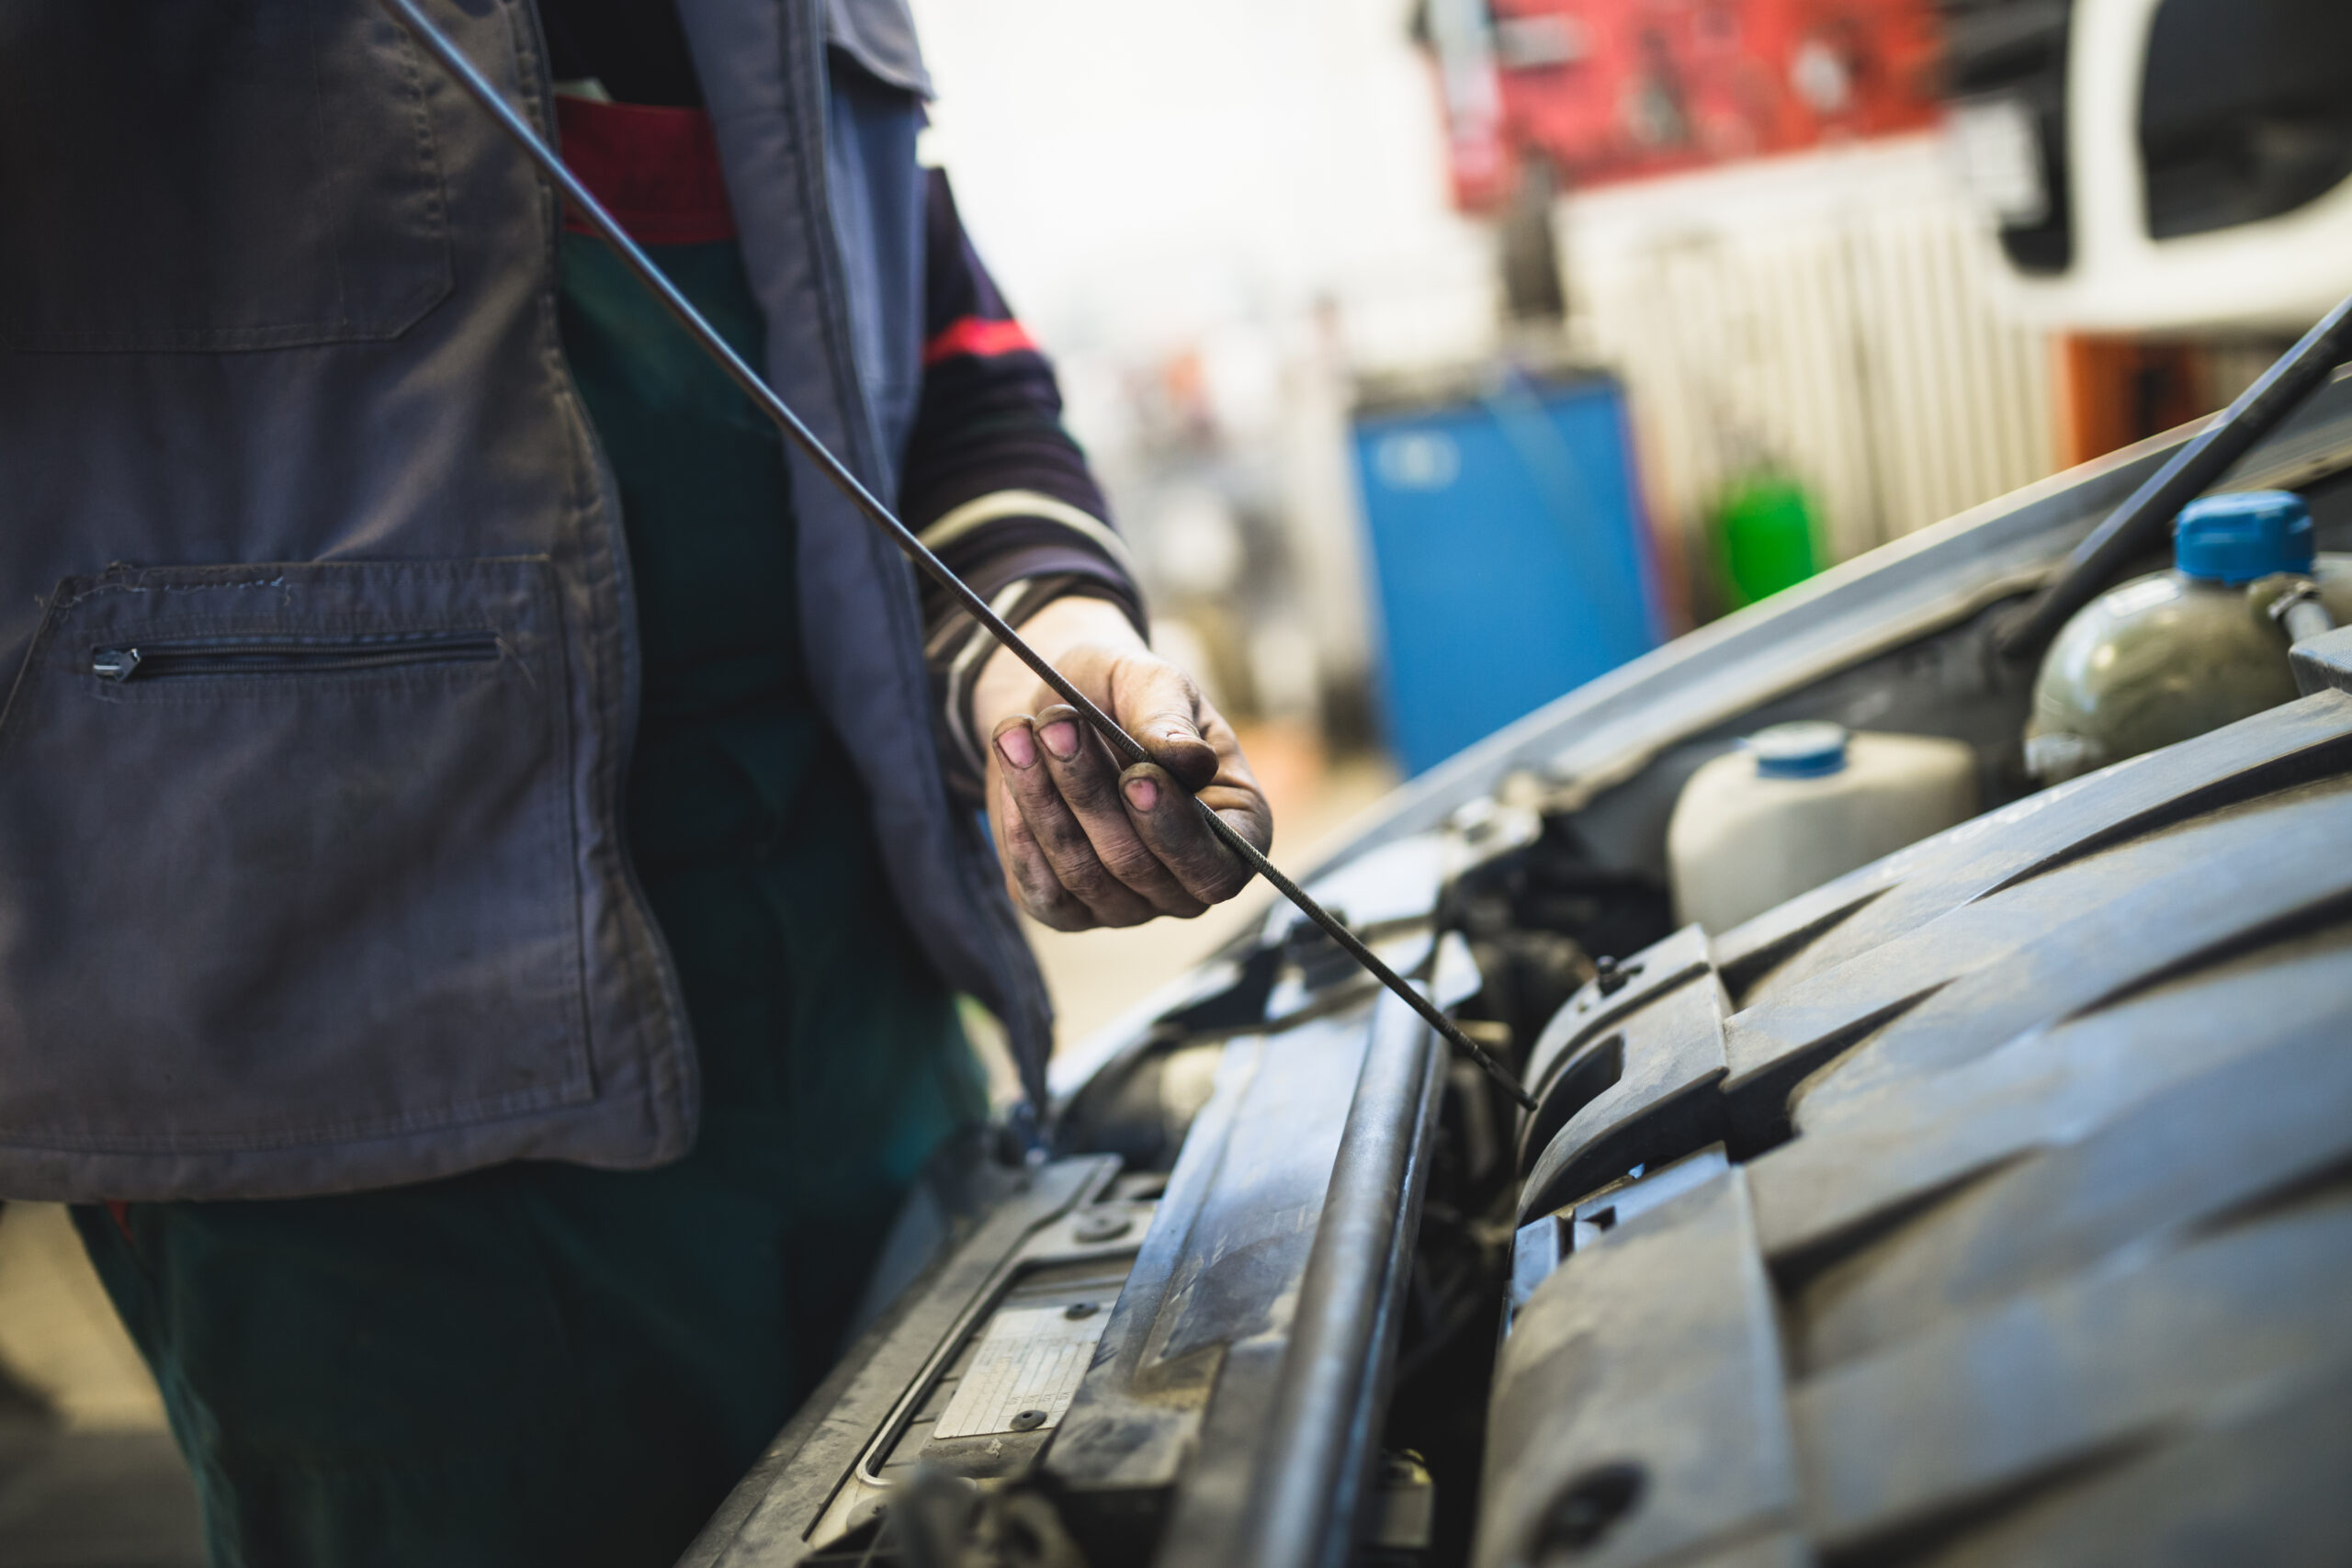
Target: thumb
1158	705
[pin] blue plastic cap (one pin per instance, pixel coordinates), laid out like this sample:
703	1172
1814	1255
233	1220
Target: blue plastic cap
2241	537
1804	750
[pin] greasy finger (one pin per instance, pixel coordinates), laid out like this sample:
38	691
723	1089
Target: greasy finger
1171	826
1090	785
1067	849
1234	794
1158	704
1026	876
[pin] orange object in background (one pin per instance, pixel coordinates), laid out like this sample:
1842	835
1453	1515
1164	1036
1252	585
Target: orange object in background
1609	90
2115	391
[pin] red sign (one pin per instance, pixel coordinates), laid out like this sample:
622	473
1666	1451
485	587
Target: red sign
1619	89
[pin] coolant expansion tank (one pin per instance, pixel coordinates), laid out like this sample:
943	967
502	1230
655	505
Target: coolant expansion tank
1799	804
2174	654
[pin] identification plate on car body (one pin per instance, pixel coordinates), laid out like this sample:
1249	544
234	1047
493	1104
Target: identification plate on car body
1024	1371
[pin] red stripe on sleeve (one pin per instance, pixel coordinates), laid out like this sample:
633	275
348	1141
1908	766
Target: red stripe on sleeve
985	338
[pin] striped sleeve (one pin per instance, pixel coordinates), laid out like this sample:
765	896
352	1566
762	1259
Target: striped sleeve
993	482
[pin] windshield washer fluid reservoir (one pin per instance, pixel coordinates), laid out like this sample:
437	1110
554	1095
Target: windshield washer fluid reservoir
2169	656
1799	804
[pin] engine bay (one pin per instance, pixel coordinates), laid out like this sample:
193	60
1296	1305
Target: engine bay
1984	1202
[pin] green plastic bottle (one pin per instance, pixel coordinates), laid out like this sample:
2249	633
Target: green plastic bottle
1767	530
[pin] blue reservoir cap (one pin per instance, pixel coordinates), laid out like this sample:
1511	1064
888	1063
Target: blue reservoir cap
1809	749
2241	537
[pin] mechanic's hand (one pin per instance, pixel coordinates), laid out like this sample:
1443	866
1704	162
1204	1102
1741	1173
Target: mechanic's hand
1084	843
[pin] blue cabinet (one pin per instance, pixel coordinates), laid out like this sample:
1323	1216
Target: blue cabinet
1509	557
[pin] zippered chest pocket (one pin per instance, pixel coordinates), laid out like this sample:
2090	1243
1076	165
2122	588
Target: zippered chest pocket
287	857
195	657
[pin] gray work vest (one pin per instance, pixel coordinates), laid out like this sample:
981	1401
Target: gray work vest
316	606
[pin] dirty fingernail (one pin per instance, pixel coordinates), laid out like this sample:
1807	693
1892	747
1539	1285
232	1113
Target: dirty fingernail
1020	747
1142	794
1060	737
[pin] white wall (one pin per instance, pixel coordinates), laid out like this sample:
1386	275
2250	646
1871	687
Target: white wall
1142	176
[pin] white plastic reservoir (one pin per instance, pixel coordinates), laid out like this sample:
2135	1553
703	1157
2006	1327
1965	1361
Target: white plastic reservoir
1799	804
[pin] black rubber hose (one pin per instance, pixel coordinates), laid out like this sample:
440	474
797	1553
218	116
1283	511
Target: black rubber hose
2141	524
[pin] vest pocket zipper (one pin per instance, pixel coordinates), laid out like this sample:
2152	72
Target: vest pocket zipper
288	656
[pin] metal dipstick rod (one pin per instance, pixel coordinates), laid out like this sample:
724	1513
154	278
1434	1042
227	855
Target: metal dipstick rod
1121	744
